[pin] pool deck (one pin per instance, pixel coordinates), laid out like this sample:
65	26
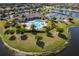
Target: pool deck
39	25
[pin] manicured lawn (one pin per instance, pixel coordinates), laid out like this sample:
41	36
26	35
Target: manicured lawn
30	43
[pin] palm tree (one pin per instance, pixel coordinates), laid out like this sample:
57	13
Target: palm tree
43	17
71	19
49	34
51	24
7	25
33	27
47	30
18	26
53	18
60	30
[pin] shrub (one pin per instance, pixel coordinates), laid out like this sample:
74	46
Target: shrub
54	18
70	18
18	31
22	30
7	25
49	25
49	34
47	29
60	30
33	28
18	26
24	25
13	37
12	31
9	31
14	20
13	23
40	43
23	37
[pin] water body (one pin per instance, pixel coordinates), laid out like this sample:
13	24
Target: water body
73	48
4	51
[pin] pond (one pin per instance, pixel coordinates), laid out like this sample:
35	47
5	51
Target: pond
4	51
73	48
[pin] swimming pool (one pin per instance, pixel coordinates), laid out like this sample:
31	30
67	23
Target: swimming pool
37	23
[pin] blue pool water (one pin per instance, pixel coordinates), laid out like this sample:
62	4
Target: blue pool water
37	23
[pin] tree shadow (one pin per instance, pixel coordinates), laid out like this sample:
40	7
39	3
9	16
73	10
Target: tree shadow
24	37
9	31
49	34
34	33
40	43
6	32
12	38
62	36
18	31
72	22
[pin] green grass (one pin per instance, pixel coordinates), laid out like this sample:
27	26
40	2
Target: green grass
29	45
